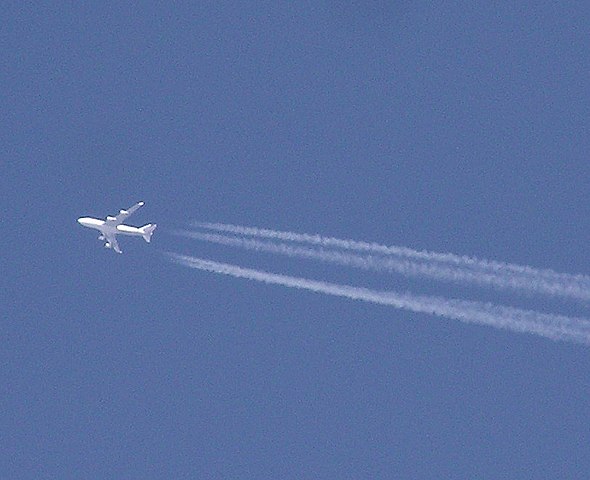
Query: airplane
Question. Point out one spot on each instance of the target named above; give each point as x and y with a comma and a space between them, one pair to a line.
112, 226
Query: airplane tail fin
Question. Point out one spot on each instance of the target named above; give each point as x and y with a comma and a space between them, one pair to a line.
147, 231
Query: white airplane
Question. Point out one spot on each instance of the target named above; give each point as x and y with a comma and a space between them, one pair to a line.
112, 226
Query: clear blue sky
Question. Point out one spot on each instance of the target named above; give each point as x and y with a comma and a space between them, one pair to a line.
461, 127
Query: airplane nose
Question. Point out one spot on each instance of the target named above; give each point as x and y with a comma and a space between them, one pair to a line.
80, 220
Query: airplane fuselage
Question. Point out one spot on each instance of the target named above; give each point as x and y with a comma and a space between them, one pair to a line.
113, 226
107, 229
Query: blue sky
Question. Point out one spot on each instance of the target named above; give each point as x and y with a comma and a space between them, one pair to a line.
457, 128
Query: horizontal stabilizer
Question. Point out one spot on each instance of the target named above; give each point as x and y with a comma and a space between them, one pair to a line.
147, 231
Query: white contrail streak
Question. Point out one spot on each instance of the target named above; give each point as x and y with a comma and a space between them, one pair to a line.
555, 327
405, 266
460, 260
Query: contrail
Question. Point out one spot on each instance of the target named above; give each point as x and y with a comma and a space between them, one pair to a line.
404, 265
555, 327
459, 260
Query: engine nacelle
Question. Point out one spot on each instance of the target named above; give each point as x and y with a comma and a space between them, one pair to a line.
123, 212
107, 245
111, 219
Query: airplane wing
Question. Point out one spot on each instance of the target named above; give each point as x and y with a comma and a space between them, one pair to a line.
123, 215
112, 241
